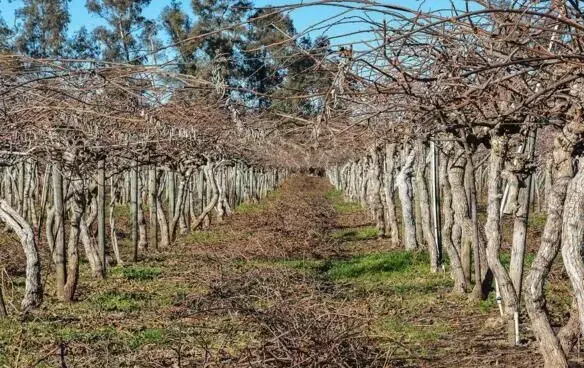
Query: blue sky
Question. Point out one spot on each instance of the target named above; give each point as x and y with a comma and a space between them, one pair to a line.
303, 17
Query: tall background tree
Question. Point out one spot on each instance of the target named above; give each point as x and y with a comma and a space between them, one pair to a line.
120, 39
267, 52
5, 33
42, 28
178, 25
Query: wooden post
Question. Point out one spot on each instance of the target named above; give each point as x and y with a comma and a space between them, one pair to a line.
134, 207
101, 214
436, 202
152, 206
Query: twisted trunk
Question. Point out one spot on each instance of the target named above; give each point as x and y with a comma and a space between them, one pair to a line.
424, 200
33, 290
447, 223
404, 184
499, 150
562, 174
573, 238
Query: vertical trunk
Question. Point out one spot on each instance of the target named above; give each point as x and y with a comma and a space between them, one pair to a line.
208, 169
91, 248
547, 181
162, 220
20, 189
59, 231
461, 236
521, 212
436, 200
142, 198
573, 238
33, 290
44, 197
101, 214
72, 250
112, 218
447, 223
562, 173
404, 185
179, 205
3, 312
153, 206
170, 192
482, 275
424, 201
134, 209
375, 199
391, 226
569, 334
96, 263
220, 207
499, 150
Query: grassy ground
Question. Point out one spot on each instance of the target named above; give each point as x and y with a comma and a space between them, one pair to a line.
299, 279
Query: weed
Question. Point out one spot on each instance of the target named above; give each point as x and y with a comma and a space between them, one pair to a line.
378, 265
340, 204
114, 301
487, 305
141, 273
250, 207
537, 220
148, 336
357, 233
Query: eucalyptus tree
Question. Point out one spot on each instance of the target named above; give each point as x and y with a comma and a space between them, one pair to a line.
82, 45
178, 25
42, 28
120, 39
267, 53
5, 36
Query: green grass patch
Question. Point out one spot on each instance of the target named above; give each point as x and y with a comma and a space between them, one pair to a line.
149, 336
115, 301
303, 264
250, 207
378, 265
122, 210
141, 273
401, 272
340, 204
505, 257
356, 233
487, 305
537, 220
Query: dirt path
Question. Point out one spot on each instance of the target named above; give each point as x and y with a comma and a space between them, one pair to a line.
297, 280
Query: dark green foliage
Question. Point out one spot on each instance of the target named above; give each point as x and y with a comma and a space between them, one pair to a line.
141, 273
114, 301
267, 50
147, 336
356, 233
178, 25
5, 34
121, 40
42, 28
305, 78
82, 45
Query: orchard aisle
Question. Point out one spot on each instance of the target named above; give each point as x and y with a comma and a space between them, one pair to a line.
298, 279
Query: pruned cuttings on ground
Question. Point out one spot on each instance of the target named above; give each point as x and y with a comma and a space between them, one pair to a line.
320, 183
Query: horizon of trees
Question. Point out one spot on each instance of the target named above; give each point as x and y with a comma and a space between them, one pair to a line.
254, 60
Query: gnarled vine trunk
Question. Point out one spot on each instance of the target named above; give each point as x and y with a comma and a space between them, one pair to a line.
33, 290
